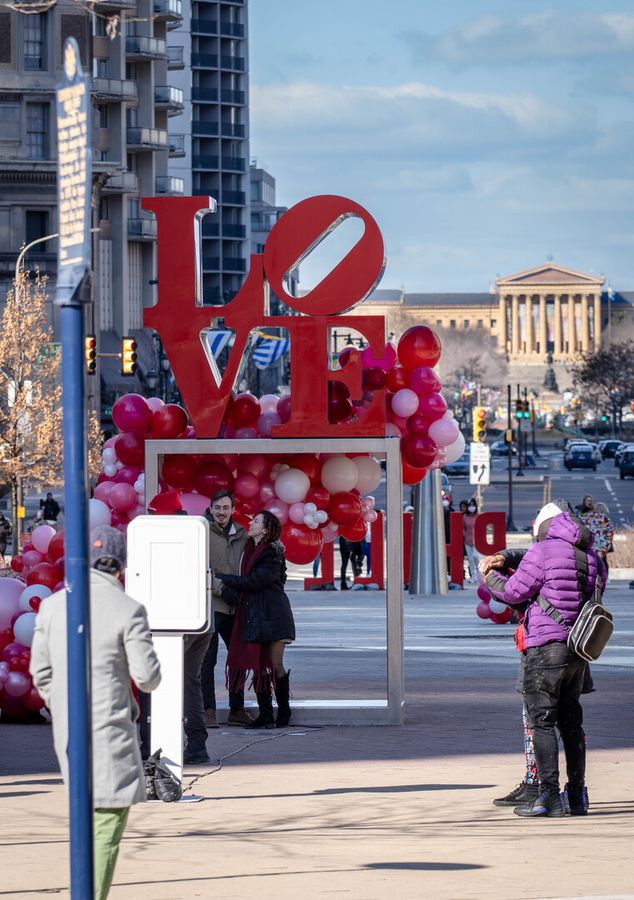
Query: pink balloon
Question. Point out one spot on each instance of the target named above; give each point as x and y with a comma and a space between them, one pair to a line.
328, 534
155, 403
132, 413
267, 491
32, 558
126, 475
386, 361
123, 497
268, 403
296, 513
194, 504
444, 431
483, 593
110, 442
246, 485
278, 508
244, 434
139, 510
432, 406
405, 403
482, 610
17, 684
424, 380
102, 491
266, 423
42, 537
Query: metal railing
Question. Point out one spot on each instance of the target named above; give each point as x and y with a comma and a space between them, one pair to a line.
142, 228
145, 47
118, 89
167, 95
169, 184
146, 137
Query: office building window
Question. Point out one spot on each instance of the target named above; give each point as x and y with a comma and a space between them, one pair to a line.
452, 323
480, 323
35, 41
466, 323
37, 130
494, 323
36, 226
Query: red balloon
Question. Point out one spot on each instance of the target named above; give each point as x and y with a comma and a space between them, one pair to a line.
165, 504
302, 544
129, 449
213, 476
257, 464
169, 421
309, 464
17, 562
56, 547
32, 700
346, 355
319, 496
179, 470
43, 573
374, 378
24, 660
432, 406
126, 475
132, 413
338, 390
419, 346
424, 380
418, 451
354, 532
12, 651
339, 409
60, 565
345, 508
245, 411
242, 519
34, 603
284, 408
411, 474
417, 425
397, 378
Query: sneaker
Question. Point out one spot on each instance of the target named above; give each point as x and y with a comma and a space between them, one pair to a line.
548, 803
523, 793
239, 717
193, 757
575, 800
209, 718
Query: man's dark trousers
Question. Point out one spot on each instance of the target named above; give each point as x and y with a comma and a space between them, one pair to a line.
224, 628
196, 645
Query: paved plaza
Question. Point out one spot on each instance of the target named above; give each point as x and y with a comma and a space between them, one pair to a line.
362, 812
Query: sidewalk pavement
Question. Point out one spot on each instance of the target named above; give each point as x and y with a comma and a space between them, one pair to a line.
359, 812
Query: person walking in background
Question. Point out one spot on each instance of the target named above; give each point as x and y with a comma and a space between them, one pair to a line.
50, 509
121, 652
264, 621
561, 570
351, 552
5, 533
468, 526
227, 541
595, 517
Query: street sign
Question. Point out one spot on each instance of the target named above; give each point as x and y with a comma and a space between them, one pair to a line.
479, 463
74, 174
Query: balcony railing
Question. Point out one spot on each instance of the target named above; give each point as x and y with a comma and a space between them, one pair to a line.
237, 198
122, 183
142, 229
233, 164
211, 264
205, 162
171, 97
204, 26
233, 231
175, 58
233, 264
231, 29
169, 9
140, 47
228, 129
176, 143
146, 138
238, 98
117, 4
205, 95
210, 129
204, 61
235, 63
114, 89
168, 184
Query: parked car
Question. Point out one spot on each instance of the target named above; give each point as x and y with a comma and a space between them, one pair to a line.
626, 466
596, 452
580, 456
609, 448
501, 448
620, 451
460, 466
447, 488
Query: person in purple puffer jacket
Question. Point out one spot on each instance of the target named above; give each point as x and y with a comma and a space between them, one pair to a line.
561, 567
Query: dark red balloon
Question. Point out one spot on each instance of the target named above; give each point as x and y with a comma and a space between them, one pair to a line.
17, 563
354, 532
337, 390
397, 378
213, 476
245, 411
424, 380
258, 464
309, 464
284, 408
302, 544
419, 452
127, 475
129, 449
419, 346
432, 406
56, 547
374, 378
43, 573
179, 470
345, 508
417, 425
346, 354
168, 422
411, 474
319, 496
339, 409
32, 700
12, 651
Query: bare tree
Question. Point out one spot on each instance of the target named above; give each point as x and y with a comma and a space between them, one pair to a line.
606, 379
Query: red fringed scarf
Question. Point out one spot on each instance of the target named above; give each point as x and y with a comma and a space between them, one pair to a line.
245, 659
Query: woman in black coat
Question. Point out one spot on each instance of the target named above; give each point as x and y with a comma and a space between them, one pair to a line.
264, 622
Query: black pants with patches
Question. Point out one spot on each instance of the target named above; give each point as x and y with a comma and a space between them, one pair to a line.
553, 679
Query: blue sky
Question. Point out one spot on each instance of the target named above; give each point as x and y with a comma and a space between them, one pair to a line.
483, 136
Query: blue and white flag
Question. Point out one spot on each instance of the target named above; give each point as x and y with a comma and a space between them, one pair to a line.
217, 341
267, 352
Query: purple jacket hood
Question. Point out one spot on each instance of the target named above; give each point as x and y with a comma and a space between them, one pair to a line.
562, 567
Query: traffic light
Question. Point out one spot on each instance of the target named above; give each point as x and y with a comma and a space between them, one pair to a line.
519, 409
526, 410
479, 424
90, 354
128, 356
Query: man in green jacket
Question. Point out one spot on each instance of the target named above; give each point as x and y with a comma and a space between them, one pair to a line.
227, 541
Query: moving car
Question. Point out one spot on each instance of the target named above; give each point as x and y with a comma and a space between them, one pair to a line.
501, 448
626, 466
460, 466
609, 448
580, 455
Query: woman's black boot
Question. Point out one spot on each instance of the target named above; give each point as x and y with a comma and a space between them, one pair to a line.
282, 694
265, 705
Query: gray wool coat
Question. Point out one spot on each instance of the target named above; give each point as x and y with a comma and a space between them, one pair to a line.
121, 650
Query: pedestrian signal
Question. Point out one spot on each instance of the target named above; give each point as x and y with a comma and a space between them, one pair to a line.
128, 356
479, 424
90, 354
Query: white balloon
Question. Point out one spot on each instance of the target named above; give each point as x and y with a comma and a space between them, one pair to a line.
110, 470
310, 509
454, 451
339, 474
292, 485
35, 590
98, 513
119, 464
310, 521
23, 628
496, 606
109, 455
369, 473
321, 516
